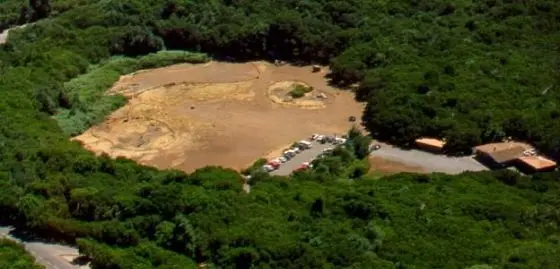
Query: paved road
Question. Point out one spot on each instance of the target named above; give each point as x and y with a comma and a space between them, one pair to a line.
50, 255
430, 162
304, 156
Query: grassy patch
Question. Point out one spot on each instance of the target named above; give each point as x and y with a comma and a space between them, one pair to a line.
299, 91
88, 102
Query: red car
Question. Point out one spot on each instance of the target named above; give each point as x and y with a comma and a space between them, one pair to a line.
275, 165
301, 168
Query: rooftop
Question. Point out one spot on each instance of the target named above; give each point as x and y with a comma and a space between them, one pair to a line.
493, 147
431, 142
537, 162
504, 151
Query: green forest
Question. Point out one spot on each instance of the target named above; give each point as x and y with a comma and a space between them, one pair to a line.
471, 71
13, 256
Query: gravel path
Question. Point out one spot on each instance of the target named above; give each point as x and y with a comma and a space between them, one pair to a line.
304, 156
430, 162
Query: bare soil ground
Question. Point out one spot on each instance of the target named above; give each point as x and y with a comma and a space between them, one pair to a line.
188, 116
385, 167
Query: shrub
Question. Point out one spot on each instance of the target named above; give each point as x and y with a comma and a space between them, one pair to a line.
299, 91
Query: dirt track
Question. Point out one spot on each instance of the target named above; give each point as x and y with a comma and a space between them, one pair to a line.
189, 116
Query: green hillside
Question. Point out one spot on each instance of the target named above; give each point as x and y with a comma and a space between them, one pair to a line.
472, 71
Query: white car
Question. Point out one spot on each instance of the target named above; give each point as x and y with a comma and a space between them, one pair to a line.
296, 150
314, 136
339, 141
267, 168
283, 159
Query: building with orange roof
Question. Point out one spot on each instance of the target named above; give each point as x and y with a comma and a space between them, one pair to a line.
536, 163
430, 144
499, 155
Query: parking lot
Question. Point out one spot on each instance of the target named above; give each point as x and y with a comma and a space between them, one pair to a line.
301, 155
426, 161
429, 162
304, 156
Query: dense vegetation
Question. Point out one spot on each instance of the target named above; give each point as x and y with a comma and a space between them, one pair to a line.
85, 100
471, 71
13, 256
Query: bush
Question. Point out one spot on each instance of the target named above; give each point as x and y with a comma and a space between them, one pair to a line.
299, 91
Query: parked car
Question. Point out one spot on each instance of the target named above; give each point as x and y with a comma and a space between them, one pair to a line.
274, 164
304, 144
283, 159
374, 147
267, 168
339, 141
301, 168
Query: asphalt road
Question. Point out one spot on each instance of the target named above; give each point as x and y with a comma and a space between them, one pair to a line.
429, 161
304, 156
49, 255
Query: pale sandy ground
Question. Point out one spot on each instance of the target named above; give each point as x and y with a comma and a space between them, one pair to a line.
230, 114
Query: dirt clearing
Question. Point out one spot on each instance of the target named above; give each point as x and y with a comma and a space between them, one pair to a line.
229, 114
387, 167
